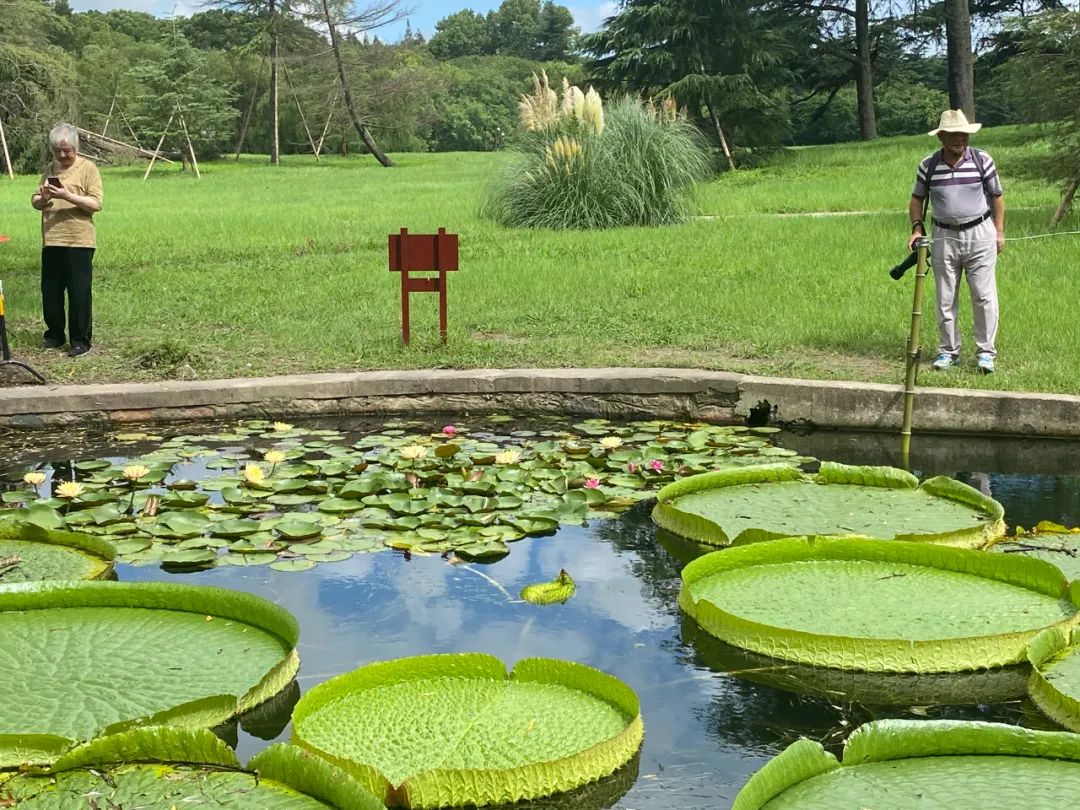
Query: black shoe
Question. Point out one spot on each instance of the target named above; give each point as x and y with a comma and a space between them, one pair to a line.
51, 343
77, 349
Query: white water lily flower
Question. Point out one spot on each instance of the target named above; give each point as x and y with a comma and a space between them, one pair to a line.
610, 442
34, 479
413, 452
508, 457
282, 427
136, 471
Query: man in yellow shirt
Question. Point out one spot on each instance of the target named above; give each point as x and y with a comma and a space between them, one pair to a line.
68, 197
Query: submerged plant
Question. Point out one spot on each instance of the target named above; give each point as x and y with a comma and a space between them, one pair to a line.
549, 593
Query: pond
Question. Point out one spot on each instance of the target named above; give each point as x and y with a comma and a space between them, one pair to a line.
706, 730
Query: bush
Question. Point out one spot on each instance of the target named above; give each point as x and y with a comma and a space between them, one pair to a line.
637, 167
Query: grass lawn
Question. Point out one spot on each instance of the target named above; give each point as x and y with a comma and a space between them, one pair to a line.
253, 271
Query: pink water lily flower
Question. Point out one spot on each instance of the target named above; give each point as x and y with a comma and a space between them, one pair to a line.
631, 467
449, 430
592, 483
656, 465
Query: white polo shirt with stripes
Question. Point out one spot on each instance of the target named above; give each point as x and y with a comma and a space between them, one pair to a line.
957, 194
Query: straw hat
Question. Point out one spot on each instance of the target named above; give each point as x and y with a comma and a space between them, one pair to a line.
955, 121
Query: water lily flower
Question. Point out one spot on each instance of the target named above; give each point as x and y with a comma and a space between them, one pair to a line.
508, 457
449, 430
70, 489
610, 442
282, 427
273, 456
34, 479
631, 467
413, 452
656, 465
136, 471
592, 483
254, 474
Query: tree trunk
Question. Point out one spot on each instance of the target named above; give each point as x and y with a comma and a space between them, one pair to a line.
961, 63
720, 133
1066, 202
275, 140
361, 130
864, 72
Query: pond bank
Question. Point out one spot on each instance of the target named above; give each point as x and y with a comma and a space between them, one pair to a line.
712, 396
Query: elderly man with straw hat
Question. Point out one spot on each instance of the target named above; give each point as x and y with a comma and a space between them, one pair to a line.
960, 186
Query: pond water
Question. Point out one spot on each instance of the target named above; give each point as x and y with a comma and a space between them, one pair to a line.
706, 730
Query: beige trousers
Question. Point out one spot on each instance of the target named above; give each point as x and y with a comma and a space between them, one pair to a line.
973, 252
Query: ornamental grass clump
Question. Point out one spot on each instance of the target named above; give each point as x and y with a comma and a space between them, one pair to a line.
583, 166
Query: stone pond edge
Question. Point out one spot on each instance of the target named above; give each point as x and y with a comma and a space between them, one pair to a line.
713, 396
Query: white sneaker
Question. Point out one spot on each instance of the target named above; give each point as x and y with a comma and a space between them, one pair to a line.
946, 360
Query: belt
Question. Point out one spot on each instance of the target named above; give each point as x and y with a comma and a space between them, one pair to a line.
962, 226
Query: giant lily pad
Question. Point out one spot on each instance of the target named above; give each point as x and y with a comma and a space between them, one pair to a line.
83, 658
29, 553
875, 605
1047, 541
168, 767
923, 764
1054, 684
768, 501
478, 735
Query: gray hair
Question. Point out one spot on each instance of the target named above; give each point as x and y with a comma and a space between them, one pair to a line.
64, 133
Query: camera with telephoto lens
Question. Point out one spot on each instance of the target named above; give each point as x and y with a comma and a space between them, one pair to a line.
911, 260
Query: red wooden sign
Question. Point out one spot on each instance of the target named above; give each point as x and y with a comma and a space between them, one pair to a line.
423, 252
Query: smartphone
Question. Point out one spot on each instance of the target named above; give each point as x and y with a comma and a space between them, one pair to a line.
54, 181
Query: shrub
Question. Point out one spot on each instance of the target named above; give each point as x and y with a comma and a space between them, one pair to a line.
581, 167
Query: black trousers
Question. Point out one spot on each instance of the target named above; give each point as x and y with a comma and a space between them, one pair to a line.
67, 270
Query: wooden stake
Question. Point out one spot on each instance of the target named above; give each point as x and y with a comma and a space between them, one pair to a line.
191, 149
7, 157
303, 118
329, 117
109, 116
251, 106
158, 149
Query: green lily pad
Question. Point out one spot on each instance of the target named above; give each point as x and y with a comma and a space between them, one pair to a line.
928, 763
181, 524
209, 655
235, 528
169, 767
1061, 548
184, 499
250, 558
550, 593
29, 553
298, 529
292, 565
906, 607
749, 504
480, 736
1054, 685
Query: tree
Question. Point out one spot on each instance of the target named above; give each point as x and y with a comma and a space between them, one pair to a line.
515, 28
464, 33
961, 66
557, 35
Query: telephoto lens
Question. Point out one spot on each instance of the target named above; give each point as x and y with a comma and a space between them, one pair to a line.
898, 271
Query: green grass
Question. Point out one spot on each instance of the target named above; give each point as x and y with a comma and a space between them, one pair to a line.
253, 271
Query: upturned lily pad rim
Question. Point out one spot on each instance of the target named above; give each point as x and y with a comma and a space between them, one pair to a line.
938, 655
102, 551
284, 764
1060, 707
895, 740
699, 528
206, 600
436, 787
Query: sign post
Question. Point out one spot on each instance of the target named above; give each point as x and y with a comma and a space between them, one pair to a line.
423, 252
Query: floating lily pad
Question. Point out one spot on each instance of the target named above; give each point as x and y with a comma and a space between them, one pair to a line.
479, 736
549, 593
169, 767
29, 553
767, 501
1054, 685
82, 658
1050, 542
875, 605
928, 763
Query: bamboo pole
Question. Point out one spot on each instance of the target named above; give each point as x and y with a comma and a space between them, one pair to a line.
7, 157
108, 117
303, 118
191, 149
138, 149
326, 127
914, 352
158, 149
251, 106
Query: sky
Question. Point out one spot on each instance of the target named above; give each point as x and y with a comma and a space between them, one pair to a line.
588, 14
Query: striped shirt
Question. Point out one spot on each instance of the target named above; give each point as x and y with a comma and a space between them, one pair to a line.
956, 192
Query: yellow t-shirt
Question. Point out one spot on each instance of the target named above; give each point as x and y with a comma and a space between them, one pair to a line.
64, 224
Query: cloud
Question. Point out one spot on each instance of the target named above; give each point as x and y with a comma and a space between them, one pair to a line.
591, 18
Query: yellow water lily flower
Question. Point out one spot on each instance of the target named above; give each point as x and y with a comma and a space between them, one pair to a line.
273, 456
413, 452
508, 457
135, 472
70, 489
254, 474
610, 442
282, 427
34, 479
